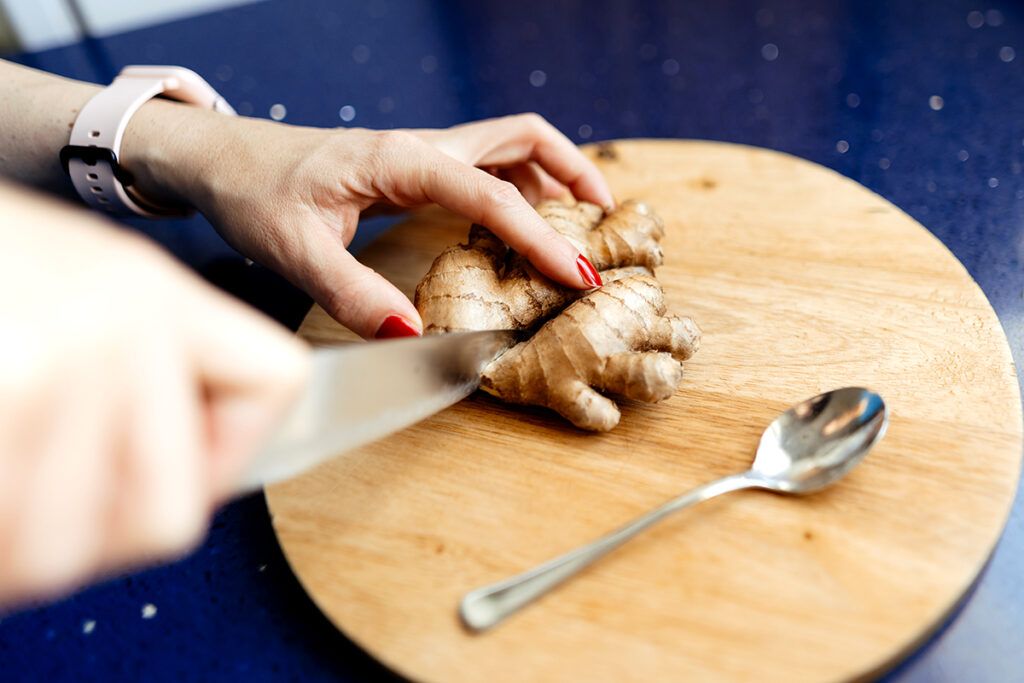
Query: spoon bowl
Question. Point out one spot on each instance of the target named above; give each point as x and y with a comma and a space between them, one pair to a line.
817, 441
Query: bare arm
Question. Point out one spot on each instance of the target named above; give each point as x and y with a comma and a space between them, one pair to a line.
162, 146
37, 111
290, 197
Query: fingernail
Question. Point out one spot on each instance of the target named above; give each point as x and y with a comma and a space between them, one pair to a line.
396, 326
588, 272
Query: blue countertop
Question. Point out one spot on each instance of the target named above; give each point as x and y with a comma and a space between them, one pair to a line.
921, 102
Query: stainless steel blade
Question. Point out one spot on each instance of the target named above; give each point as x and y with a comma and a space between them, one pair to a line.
362, 392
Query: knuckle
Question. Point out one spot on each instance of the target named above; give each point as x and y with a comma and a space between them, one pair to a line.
543, 128
396, 142
393, 150
504, 196
534, 120
169, 535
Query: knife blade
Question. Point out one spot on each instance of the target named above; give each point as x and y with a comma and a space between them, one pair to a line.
361, 392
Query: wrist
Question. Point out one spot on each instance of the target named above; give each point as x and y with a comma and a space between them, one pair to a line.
172, 151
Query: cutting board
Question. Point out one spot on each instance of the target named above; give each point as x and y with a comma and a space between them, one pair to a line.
803, 281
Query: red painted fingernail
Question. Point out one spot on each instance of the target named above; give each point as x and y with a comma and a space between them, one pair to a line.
396, 326
588, 272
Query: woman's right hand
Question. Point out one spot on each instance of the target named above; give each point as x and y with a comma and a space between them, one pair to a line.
130, 395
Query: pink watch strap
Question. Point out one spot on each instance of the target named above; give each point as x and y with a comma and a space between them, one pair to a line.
95, 144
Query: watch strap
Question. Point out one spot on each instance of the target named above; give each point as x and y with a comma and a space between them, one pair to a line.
100, 126
91, 157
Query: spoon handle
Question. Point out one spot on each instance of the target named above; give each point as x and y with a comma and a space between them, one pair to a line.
486, 606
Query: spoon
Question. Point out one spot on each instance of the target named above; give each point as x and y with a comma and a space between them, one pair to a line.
806, 448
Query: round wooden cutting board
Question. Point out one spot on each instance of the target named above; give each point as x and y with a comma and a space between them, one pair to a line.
803, 281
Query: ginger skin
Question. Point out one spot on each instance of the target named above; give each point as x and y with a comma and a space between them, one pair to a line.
482, 285
617, 339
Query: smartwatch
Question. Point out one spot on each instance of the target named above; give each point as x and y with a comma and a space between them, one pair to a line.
91, 157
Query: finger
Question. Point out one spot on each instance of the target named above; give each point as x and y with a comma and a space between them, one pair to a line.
529, 137
361, 299
163, 501
56, 532
248, 370
533, 182
650, 377
498, 205
557, 155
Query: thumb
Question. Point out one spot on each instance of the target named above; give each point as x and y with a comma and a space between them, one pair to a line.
363, 301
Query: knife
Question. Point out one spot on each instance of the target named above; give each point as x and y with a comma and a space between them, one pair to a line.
361, 392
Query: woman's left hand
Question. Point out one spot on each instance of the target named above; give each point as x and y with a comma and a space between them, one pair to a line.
290, 197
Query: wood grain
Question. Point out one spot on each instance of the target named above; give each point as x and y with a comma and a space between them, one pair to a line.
802, 281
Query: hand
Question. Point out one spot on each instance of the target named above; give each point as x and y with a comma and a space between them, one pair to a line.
290, 198
130, 394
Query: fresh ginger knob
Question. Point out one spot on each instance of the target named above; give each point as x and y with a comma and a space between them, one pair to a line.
616, 339
482, 285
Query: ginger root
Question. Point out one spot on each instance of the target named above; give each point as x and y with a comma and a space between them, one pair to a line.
616, 339
483, 285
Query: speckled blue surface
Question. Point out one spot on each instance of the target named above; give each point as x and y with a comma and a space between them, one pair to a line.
851, 85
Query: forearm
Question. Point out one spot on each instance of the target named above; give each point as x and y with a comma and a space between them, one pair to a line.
37, 111
167, 146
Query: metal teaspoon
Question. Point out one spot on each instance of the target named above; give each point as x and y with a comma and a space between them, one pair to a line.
806, 448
